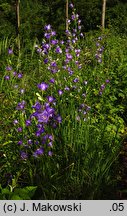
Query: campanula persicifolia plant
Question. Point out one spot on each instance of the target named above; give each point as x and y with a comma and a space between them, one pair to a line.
60, 114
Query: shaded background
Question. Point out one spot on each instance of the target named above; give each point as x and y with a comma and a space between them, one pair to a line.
35, 14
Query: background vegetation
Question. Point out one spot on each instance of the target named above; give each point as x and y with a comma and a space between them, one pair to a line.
34, 16
81, 154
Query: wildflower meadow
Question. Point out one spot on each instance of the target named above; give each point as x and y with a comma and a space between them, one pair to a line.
63, 114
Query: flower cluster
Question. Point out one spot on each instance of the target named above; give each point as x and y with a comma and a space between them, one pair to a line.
99, 50
103, 86
73, 34
21, 105
75, 21
45, 114
64, 57
13, 79
11, 73
34, 138
62, 60
83, 111
52, 48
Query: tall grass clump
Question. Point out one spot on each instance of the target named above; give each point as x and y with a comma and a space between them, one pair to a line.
62, 116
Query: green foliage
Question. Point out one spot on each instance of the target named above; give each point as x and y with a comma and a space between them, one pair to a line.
32, 19
7, 21
25, 193
86, 144
116, 17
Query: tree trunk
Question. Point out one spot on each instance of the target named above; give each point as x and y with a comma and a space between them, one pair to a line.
66, 15
18, 22
103, 14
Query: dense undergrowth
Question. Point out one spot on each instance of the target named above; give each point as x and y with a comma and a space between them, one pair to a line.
62, 115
